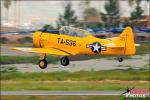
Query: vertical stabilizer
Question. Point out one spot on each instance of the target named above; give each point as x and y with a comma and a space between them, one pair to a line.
128, 36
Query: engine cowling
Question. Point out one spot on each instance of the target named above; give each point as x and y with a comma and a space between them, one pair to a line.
36, 39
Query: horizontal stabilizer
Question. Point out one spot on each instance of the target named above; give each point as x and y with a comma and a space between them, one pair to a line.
137, 45
113, 45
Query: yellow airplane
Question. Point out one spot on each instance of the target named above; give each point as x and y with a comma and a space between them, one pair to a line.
70, 41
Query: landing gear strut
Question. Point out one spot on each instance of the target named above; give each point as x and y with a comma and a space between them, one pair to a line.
64, 61
120, 59
43, 63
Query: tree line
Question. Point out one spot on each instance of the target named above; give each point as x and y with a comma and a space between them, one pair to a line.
109, 18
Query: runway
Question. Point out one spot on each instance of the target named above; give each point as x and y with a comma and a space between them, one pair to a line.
61, 92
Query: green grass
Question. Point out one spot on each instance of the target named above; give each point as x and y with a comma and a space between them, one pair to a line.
8, 69
69, 98
62, 98
130, 74
69, 86
24, 59
144, 48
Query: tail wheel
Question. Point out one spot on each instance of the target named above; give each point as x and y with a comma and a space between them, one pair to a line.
64, 61
120, 59
43, 64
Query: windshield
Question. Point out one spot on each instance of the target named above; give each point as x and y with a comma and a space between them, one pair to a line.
74, 31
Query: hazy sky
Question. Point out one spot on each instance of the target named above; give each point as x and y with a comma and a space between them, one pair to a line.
48, 11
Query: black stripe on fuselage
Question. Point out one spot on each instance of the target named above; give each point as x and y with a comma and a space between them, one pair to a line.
40, 40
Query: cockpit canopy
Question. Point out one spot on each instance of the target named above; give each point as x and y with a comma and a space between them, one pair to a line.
66, 30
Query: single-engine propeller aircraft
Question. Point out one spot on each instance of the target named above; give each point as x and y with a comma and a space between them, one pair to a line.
70, 41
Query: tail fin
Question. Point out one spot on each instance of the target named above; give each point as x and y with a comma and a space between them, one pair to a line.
128, 36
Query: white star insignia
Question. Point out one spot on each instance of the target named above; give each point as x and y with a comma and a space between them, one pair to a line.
96, 47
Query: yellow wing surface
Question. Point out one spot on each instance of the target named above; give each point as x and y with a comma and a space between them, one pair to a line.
51, 51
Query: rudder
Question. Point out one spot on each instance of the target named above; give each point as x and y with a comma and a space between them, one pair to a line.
128, 36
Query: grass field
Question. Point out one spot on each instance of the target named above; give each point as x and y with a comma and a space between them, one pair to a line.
71, 85
130, 74
144, 48
83, 80
69, 98
24, 59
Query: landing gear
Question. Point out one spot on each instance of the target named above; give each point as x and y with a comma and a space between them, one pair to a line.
64, 61
43, 63
120, 59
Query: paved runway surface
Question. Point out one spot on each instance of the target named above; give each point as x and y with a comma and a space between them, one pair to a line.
61, 92
138, 61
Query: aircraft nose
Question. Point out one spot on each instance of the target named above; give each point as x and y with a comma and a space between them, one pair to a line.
36, 39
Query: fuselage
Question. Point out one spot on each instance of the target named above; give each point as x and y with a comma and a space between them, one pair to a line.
77, 45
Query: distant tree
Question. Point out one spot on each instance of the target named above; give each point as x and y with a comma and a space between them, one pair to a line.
112, 13
48, 26
137, 13
3, 40
86, 10
68, 18
7, 4
131, 2
83, 4
90, 12
25, 40
15, 10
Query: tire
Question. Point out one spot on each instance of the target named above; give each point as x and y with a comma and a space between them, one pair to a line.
64, 61
120, 59
43, 64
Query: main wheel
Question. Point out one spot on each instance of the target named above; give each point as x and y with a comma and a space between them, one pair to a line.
120, 59
64, 61
43, 64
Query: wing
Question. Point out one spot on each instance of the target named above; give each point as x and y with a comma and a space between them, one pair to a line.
51, 51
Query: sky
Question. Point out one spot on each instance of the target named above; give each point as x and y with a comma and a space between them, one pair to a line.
40, 12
